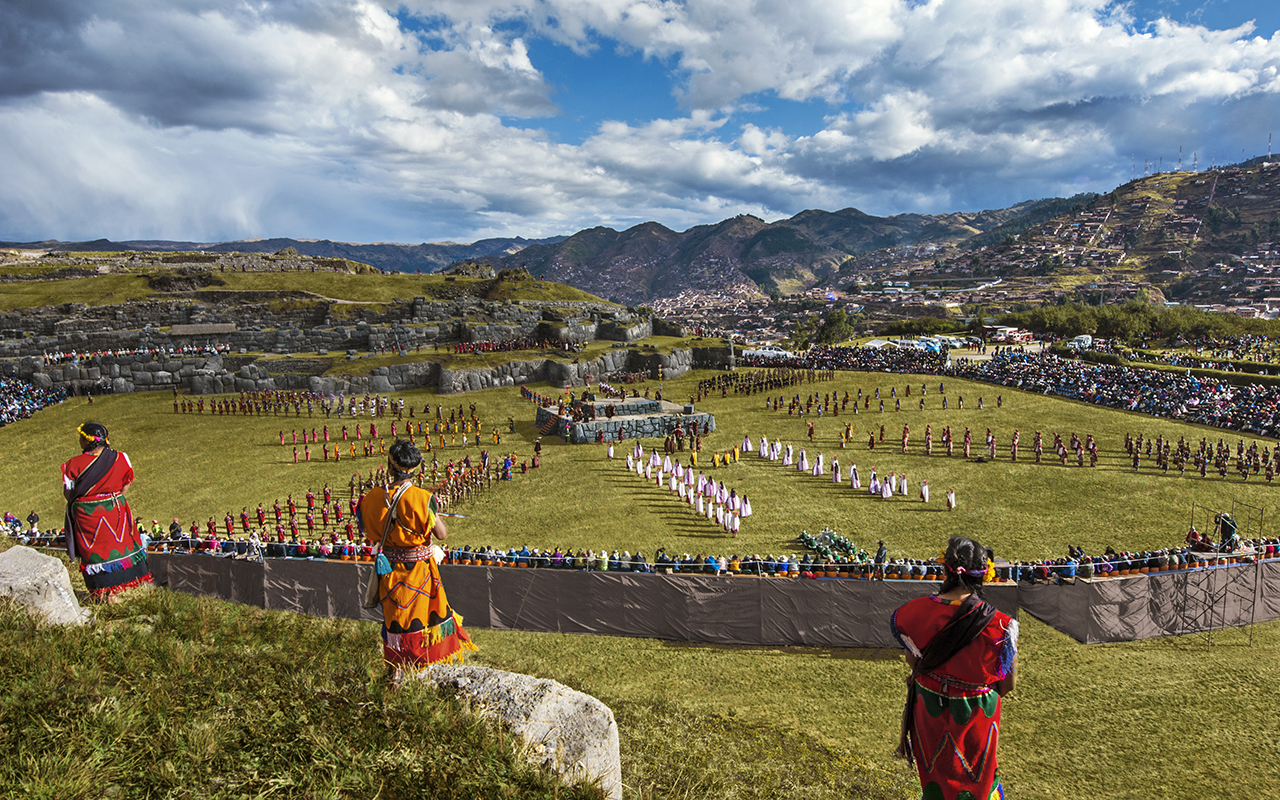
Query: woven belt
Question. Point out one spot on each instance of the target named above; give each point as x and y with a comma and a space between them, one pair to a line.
405, 554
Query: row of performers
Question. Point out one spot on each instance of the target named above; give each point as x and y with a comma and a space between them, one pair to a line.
704, 495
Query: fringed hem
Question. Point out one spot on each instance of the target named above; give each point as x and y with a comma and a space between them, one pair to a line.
114, 565
440, 644
101, 595
105, 583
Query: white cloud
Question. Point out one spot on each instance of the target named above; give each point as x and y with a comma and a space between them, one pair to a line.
366, 119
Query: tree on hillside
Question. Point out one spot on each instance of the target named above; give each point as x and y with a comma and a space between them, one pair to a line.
835, 328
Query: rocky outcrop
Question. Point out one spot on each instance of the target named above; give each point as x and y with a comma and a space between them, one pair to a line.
568, 731
41, 583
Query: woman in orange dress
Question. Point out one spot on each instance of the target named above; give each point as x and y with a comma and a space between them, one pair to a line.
419, 627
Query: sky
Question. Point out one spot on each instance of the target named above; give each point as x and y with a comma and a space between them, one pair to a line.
455, 120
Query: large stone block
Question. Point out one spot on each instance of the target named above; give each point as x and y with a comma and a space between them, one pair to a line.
41, 583
568, 731
121, 386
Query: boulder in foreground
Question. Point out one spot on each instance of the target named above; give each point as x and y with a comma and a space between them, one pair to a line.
41, 583
573, 733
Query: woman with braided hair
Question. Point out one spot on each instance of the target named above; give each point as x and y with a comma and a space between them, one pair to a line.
419, 628
963, 659
101, 533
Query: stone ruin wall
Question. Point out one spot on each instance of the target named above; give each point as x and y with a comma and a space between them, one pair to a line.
632, 426
260, 320
234, 372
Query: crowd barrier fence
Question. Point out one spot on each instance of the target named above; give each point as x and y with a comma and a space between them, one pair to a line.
741, 610
708, 609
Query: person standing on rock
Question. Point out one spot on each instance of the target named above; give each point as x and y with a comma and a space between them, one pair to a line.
419, 628
101, 533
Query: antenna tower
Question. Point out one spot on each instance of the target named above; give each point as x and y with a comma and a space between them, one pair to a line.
1179, 158
1195, 162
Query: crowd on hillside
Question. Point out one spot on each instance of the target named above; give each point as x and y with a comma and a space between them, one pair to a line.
506, 345
76, 356
1254, 408
20, 399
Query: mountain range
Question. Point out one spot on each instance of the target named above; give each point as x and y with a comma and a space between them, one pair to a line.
426, 257
648, 261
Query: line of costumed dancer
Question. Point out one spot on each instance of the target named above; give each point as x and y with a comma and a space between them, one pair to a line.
708, 498
101, 532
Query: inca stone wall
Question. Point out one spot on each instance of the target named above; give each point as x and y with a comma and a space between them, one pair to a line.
637, 419
309, 322
219, 374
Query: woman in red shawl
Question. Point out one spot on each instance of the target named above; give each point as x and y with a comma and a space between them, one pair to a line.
101, 532
963, 657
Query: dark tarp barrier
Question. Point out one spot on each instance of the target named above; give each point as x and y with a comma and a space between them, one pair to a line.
1160, 604
689, 608
237, 581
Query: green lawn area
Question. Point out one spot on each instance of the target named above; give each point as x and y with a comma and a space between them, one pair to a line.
132, 285
1165, 718
100, 290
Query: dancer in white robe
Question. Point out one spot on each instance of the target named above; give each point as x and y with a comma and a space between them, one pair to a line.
666, 464
924, 491
803, 464
631, 463
746, 506
855, 480
786, 457
836, 475
746, 444
610, 451
873, 485
764, 447
951, 499
817, 467
902, 484
893, 483
700, 507
886, 491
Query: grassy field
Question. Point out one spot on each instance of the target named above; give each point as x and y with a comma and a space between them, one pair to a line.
183, 697
1164, 718
100, 290
195, 466
118, 287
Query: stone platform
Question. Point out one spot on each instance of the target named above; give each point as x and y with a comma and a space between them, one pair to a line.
635, 417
